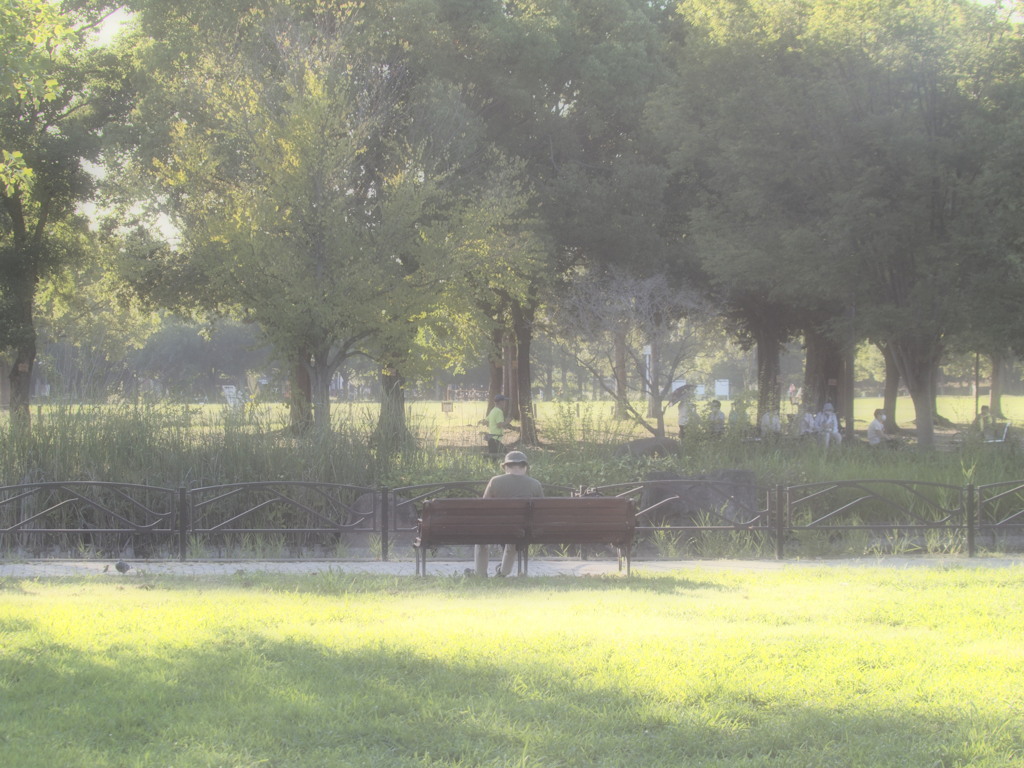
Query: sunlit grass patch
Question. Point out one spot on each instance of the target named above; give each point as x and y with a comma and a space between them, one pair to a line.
804, 666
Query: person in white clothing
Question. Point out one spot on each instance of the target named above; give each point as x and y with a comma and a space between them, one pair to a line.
828, 426
876, 431
682, 396
771, 424
808, 424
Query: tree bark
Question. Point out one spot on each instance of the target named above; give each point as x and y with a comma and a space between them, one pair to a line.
918, 363
392, 433
892, 388
320, 387
654, 409
19, 287
620, 374
300, 406
823, 371
1000, 367
522, 328
24, 361
496, 384
510, 376
769, 365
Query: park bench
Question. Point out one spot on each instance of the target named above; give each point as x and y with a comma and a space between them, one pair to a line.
1000, 431
521, 522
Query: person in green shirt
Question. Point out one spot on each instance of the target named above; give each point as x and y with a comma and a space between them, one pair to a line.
514, 484
496, 425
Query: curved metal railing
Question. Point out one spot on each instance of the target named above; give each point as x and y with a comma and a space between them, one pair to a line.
296, 519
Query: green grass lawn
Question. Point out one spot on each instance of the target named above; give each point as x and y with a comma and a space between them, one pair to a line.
807, 666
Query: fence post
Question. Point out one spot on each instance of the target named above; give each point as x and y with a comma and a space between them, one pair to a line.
971, 513
183, 523
780, 522
383, 523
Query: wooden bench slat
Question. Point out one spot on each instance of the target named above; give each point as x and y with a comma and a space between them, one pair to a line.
548, 520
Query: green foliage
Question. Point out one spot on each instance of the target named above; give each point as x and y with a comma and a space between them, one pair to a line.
57, 93
30, 32
838, 154
404, 178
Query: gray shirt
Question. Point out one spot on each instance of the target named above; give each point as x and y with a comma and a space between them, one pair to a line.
513, 487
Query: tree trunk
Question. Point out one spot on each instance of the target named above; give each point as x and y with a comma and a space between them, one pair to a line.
522, 328
392, 433
510, 383
621, 379
829, 376
21, 382
918, 363
1001, 362
924, 409
320, 390
496, 384
823, 371
654, 408
21, 296
892, 388
848, 394
300, 404
769, 366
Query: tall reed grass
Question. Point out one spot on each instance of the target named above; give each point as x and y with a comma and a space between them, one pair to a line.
172, 445
169, 445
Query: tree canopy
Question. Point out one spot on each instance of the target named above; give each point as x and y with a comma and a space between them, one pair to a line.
421, 181
57, 95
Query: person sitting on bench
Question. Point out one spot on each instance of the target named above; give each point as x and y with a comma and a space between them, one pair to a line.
514, 484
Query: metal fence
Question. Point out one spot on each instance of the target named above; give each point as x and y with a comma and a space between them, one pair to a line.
308, 520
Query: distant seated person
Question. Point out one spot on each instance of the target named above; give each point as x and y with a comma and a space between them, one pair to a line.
771, 424
984, 424
716, 419
808, 424
828, 426
876, 431
738, 416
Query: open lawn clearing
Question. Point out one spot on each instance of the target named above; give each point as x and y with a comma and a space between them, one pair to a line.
859, 666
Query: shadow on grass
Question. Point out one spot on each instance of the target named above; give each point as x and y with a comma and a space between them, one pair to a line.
244, 699
339, 583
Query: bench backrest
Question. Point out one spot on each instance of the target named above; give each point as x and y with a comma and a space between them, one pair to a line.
473, 521
1001, 429
547, 520
583, 520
